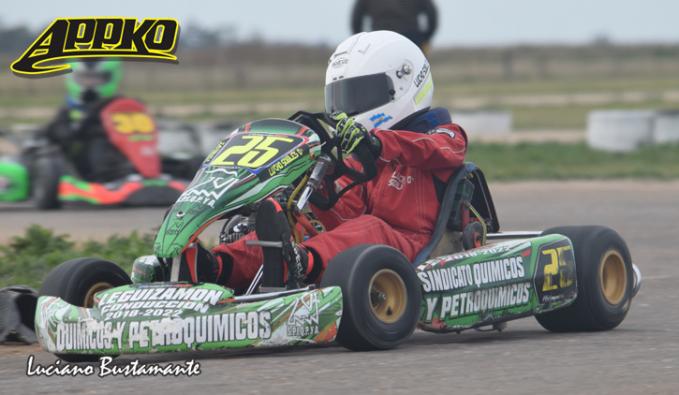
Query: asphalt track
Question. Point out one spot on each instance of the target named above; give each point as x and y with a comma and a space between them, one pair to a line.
641, 356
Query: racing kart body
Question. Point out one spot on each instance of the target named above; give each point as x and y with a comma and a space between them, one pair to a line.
45, 174
470, 275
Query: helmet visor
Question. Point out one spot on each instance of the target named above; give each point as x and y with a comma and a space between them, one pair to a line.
92, 78
359, 94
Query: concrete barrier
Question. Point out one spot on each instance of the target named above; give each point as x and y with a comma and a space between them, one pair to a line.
666, 127
177, 139
484, 122
619, 130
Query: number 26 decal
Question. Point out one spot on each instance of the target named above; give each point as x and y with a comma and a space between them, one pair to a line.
256, 152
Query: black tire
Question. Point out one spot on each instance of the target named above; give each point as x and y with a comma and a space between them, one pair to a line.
597, 308
356, 271
75, 281
47, 171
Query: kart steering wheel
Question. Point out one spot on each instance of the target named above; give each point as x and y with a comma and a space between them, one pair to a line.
331, 148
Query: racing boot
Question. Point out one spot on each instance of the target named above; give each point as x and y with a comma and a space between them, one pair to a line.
279, 248
200, 265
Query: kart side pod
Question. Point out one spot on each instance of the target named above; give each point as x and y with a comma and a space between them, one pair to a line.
497, 283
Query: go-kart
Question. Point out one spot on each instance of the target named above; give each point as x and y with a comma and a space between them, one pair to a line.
147, 177
470, 275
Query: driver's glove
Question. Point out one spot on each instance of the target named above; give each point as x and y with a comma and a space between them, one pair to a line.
351, 133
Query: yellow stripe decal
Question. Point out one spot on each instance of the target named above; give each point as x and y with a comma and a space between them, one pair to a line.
424, 91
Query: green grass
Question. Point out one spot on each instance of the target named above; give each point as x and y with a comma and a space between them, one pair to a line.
547, 161
28, 258
557, 85
545, 118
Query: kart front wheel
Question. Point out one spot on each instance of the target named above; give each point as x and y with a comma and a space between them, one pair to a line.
381, 295
47, 172
77, 281
605, 281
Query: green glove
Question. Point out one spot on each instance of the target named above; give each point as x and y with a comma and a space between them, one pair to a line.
351, 133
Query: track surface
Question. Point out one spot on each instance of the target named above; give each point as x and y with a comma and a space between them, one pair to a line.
641, 356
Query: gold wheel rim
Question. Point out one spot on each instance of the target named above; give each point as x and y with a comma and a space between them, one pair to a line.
613, 277
388, 296
98, 287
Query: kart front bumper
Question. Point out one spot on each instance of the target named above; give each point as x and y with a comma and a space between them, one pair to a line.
146, 318
131, 191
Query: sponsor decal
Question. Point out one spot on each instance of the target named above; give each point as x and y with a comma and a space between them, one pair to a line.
285, 161
157, 302
304, 320
89, 335
499, 248
211, 189
398, 181
477, 274
422, 75
189, 331
479, 301
380, 118
98, 37
485, 284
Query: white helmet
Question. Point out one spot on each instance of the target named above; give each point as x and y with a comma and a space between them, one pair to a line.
379, 77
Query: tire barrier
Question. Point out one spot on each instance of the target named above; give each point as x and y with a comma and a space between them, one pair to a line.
666, 127
484, 122
619, 130
17, 311
177, 139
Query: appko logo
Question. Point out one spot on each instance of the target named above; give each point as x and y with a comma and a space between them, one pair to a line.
98, 37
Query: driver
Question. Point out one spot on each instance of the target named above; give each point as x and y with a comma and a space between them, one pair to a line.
379, 87
77, 129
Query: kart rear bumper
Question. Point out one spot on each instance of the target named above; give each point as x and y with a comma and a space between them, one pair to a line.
638, 279
119, 325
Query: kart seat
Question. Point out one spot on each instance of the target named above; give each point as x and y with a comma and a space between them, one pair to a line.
467, 185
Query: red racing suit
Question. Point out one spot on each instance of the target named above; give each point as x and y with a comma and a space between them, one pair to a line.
398, 207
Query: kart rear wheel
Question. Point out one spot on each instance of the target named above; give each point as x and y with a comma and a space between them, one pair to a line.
605, 281
381, 295
77, 281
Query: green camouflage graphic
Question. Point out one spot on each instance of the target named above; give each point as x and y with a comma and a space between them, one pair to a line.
218, 188
497, 283
164, 317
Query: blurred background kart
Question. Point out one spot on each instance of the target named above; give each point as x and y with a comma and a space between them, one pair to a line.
141, 169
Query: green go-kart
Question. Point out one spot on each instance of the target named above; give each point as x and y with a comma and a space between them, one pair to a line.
470, 275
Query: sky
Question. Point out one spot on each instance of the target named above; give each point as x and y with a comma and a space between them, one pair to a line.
469, 22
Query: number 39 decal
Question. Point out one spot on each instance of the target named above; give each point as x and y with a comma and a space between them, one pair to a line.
253, 151
132, 122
